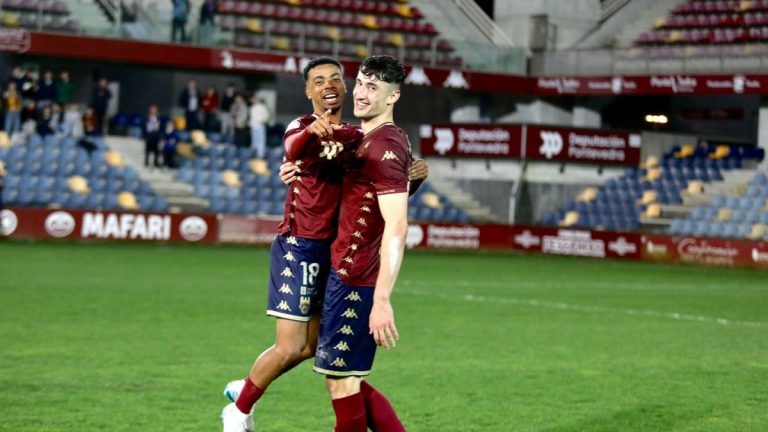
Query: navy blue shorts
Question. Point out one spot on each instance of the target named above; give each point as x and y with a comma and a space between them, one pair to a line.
298, 271
345, 347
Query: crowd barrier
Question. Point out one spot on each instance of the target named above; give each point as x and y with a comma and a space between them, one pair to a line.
37, 224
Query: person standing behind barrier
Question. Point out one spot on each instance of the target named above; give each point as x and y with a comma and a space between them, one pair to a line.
65, 90
207, 15
100, 101
258, 118
12, 109
179, 12
210, 104
152, 135
170, 139
239, 112
190, 99
225, 117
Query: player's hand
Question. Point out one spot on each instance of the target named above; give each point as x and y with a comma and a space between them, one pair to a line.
382, 324
288, 172
322, 126
418, 170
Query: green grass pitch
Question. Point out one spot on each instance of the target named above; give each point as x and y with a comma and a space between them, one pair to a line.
143, 338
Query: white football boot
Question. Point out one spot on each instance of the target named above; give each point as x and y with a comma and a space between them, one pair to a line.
236, 421
233, 389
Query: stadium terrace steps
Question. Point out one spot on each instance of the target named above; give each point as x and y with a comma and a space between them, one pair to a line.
177, 193
662, 8
90, 16
464, 200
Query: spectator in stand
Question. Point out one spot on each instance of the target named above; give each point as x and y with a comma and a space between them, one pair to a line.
100, 101
12, 109
91, 125
180, 12
29, 116
170, 140
152, 135
258, 118
207, 16
210, 104
190, 100
29, 86
227, 121
17, 76
46, 124
72, 122
65, 90
240, 117
46, 90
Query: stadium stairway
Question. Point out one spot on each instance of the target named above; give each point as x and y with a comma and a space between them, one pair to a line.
90, 16
180, 196
464, 200
627, 36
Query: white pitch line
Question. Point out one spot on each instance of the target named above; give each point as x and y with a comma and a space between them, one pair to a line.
585, 308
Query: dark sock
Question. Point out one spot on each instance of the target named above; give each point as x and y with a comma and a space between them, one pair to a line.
248, 396
381, 415
350, 414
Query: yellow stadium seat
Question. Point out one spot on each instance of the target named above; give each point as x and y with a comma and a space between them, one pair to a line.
757, 232
333, 33
198, 138
396, 39
587, 194
571, 218
10, 19
5, 140
724, 214
127, 200
651, 161
260, 167
695, 187
2, 168
721, 151
294, 2
180, 123
675, 36
369, 21
648, 197
231, 178
744, 6
114, 158
185, 150
253, 25
78, 184
661, 22
431, 200
282, 44
653, 211
653, 174
403, 10
684, 152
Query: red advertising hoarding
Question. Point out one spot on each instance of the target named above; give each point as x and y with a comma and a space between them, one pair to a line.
498, 141
652, 85
33, 223
705, 251
247, 229
582, 145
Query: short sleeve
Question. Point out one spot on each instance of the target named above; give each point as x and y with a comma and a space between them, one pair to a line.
389, 160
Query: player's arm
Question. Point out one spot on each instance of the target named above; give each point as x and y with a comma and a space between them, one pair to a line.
394, 210
296, 139
417, 174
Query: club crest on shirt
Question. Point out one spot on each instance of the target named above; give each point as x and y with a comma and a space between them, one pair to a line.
331, 149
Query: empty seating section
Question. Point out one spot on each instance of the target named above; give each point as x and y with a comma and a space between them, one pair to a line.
58, 173
427, 205
619, 204
347, 28
740, 217
24, 13
711, 22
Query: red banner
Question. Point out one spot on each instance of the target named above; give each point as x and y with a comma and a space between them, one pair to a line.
582, 145
552, 241
709, 252
501, 141
652, 85
32, 223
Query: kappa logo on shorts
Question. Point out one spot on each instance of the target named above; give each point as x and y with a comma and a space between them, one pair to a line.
284, 306
291, 240
357, 234
343, 272
342, 346
289, 256
389, 155
346, 330
285, 289
349, 260
353, 296
287, 272
349, 313
339, 362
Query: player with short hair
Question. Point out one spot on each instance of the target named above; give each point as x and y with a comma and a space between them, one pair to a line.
300, 254
367, 253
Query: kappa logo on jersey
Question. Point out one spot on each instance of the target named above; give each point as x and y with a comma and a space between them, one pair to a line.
293, 203
362, 222
284, 306
389, 155
343, 272
296, 191
365, 209
291, 215
289, 256
368, 195
342, 346
339, 362
285, 289
552, 143
331, 149
349, 313
287, 272
357, 234
348, 259
353, 296
346, 330
353, 247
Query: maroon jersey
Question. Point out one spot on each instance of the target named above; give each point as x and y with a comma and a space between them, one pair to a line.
312, 200
379, 166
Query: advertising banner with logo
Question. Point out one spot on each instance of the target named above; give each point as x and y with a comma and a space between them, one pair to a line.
31, 223
709, 252
496, 141
552, 241
582, 145
652, 85
248, 229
